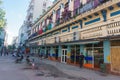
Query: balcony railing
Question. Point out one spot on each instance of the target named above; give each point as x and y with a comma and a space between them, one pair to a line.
111, 29
90, 33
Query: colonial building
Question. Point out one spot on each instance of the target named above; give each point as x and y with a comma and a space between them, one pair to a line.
71, 27
35, 9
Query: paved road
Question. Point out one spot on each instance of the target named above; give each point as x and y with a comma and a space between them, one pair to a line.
11, 71
78, 72
47, 70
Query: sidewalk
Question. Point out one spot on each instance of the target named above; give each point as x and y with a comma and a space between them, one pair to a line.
77, 72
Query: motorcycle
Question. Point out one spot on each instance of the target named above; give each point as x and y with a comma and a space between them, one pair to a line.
19, 59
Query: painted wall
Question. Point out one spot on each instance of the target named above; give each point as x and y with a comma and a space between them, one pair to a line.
106, 46
38, 8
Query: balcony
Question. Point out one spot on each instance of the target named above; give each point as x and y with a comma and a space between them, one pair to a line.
50, 40
113, 29
79, 13
93, 32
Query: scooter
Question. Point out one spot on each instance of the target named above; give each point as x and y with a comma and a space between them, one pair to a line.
19, 59
28, 60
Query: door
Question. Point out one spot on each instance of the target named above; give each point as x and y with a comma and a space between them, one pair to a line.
115, 59
64, 56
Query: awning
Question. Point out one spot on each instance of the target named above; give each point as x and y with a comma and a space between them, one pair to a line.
88, 42
72, 43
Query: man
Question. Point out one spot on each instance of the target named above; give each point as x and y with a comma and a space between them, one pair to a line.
81, 57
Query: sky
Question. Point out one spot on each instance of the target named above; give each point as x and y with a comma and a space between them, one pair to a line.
16, 11
15, 15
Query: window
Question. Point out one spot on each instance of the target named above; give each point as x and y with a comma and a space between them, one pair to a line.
69, 1
64, 30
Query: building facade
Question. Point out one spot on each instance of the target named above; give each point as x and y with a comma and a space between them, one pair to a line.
35, 10
71, 27
23, 36
15, 43
2, 39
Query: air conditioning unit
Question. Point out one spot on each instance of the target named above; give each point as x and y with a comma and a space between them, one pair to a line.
75, 35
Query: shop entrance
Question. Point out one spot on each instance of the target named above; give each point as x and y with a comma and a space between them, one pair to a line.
75, 52
56, 52
115, 56
48, 52
94, 55
64, 56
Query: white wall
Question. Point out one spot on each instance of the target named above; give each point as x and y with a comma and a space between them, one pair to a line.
38, 8
23, 30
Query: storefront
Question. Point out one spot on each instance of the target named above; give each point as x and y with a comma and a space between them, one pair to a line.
94, 55
75, 52
115, 56
55, 52
64, 54
47, 52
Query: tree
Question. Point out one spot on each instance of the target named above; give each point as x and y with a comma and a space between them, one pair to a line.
2, 17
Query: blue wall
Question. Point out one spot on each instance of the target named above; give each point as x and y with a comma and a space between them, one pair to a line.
82, 49
51, 51
115, 13
106, 46
92, 21
59, 52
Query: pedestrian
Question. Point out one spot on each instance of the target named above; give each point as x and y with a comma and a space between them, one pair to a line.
81, 60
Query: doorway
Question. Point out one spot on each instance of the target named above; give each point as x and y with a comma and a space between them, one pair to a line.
94, 55
64, 56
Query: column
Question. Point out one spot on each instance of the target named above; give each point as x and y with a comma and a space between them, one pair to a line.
68, 54
106, 46
40, 51
82, 47
45, 50
59, 53
60, 50
51, 51
68, 51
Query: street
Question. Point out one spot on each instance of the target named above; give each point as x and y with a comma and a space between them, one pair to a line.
12, 71
46, 70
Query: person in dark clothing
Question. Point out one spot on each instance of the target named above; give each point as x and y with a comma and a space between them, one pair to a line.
81, 57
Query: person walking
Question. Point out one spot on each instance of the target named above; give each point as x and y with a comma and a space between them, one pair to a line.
81, 58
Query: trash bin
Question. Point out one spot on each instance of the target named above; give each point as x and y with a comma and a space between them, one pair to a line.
103, 68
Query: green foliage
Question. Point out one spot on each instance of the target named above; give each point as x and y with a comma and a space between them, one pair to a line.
2, 17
